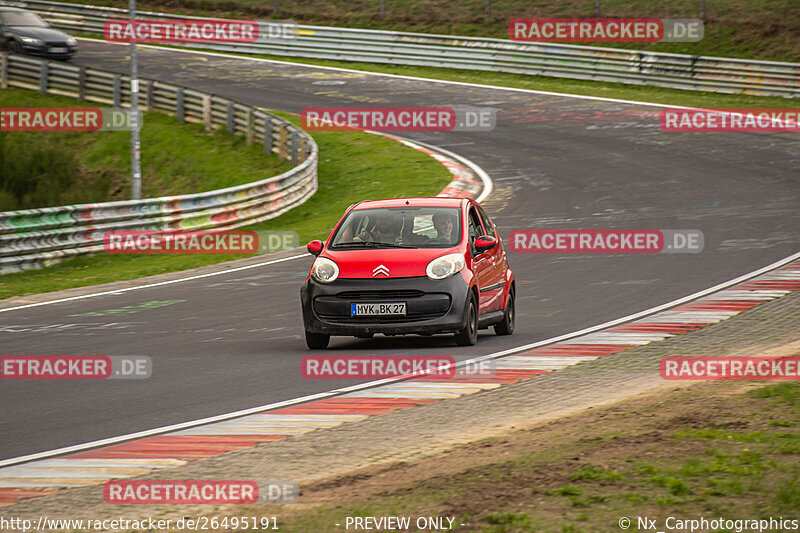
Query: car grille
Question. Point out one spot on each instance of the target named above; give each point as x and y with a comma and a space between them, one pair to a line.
419, 306
379, 295
411, 317
57, 44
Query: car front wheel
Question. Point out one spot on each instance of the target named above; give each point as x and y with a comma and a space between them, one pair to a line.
506, 327
317, 341
469, 335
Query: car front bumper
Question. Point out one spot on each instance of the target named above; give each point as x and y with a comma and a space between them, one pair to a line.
432, 306
44, 50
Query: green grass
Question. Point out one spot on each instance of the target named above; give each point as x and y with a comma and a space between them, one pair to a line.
785, 392
353, 167
177, 158
508, 521
760, 29
596, 473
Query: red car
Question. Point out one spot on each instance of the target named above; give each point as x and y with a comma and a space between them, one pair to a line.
409, 266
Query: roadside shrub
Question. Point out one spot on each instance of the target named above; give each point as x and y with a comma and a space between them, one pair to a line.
32, 174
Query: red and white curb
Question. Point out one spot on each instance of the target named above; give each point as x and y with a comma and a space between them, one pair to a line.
138, 457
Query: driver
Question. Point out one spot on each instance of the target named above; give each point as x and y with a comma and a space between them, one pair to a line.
384, 230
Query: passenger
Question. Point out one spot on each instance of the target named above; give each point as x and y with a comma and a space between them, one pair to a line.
443, 223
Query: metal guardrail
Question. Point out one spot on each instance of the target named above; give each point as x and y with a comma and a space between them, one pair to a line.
34, 238
764, 78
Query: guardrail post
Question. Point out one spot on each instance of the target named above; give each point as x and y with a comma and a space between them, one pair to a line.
81, 84
150, 95
302, 149
294, 148
4, 70
282, 142
207, 112
44, 72
117, 90
179, 111
230, 124
250, 128
267, 135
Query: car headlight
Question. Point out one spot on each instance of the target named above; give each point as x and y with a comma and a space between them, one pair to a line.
324, 270
445, 266
72, 41
30, 40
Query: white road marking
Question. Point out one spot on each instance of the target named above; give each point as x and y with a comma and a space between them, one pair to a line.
400, 394
619, 338
786, 275
691, 317
759, 294
28, 484
150, 285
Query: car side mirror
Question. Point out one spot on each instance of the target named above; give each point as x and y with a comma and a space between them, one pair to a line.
315, 247
485, 242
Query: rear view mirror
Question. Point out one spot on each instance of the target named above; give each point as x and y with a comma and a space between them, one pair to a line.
315, 247
485, 242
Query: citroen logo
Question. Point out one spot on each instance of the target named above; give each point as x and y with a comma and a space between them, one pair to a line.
380, 269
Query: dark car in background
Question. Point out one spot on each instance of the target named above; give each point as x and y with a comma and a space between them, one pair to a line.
25, 32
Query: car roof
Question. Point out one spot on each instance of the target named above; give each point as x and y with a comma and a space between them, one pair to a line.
434, 201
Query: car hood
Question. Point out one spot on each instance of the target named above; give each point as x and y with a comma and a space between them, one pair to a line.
44, 34
400, 262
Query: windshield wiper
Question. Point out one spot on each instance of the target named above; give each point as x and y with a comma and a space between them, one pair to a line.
371, 244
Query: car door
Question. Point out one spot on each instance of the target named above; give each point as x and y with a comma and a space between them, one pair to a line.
493, 291
482, 263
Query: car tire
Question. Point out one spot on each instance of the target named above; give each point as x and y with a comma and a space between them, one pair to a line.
317, 341
506, 327
469, 335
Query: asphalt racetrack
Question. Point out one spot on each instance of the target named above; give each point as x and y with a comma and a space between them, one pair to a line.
235, 341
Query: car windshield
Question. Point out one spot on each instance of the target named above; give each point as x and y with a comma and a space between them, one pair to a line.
399, 227
22, 18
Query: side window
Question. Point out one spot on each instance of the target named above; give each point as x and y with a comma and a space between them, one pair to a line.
475, 229
487, 222
351, 230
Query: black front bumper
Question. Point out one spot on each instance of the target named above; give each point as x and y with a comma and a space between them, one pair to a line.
432, 306
44, 51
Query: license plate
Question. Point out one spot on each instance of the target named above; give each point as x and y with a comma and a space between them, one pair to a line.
391, 308
58, 50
